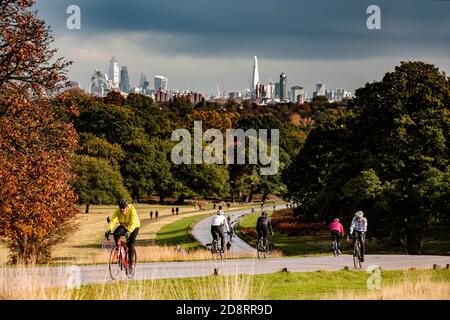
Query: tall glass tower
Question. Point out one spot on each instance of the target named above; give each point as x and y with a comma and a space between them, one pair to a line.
124, 80
114, 72
255, 78
283, 86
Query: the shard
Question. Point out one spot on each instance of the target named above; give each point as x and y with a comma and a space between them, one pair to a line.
255, 79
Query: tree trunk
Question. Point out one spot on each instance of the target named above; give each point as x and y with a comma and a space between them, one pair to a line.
232, 196
250, 196
161, 197
181, 199
414, 241
87, 208
264, 198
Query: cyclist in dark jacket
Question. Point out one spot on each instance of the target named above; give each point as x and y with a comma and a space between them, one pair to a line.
263, 226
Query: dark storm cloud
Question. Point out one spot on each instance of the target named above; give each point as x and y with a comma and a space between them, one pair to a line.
277, 29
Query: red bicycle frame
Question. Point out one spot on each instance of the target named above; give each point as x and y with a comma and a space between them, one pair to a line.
120, 250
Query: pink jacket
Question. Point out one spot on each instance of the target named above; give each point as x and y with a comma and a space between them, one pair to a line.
337, 226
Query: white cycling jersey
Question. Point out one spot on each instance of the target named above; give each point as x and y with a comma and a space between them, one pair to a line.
220, 220
358, 225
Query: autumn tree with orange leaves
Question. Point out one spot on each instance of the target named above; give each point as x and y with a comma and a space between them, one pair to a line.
37, 202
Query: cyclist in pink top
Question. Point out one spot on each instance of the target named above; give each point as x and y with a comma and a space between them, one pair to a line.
337, 231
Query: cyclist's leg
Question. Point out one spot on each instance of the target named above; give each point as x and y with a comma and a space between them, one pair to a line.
130, 244
120, 231
264, 236
338, 241
363, 245
214, 233
222, 238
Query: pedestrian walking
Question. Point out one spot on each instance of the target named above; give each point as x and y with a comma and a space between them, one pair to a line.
156, 214
151, 215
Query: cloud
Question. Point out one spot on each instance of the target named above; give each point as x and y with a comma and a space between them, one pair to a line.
198, 43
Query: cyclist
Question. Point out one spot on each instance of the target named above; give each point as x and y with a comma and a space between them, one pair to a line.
218, 227
358, 229
337, 231
263, 226
129, 224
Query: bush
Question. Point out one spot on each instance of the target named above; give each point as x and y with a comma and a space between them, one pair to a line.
284, 222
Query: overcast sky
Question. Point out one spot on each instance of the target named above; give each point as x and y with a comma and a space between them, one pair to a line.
200, 43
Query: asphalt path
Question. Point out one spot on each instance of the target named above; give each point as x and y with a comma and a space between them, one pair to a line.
56, 276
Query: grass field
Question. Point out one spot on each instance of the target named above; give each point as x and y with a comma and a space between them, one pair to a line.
412, 284
320, 244
85, 244
178, 233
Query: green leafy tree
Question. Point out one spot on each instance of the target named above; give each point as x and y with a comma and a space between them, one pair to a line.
97, 181
388, 157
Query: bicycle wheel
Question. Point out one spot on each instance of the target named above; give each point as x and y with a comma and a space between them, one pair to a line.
266, 248
115, 263
258, 249
131, 271
216, 253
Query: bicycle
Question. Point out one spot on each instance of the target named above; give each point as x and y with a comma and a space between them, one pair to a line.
262, 248
335, 248
357, 257
118, 260
216, 250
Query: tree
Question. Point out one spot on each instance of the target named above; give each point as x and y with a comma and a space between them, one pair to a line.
389, 156
37, 203
25, 50
97, 181
36, 198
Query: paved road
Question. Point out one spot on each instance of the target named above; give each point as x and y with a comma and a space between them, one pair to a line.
58, 276
202, 232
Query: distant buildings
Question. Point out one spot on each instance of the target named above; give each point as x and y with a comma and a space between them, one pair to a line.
283, 87
320, 90
124, 80
255, 75
114, 73
298, 95
99, 85
160, 83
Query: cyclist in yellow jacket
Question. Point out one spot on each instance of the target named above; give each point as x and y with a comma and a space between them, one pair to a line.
129, 225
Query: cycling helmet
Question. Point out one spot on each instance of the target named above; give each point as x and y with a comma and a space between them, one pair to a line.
336, 219
123, 203
264, 213
359, 215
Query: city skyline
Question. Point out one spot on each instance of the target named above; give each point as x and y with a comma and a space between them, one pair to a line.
195, 48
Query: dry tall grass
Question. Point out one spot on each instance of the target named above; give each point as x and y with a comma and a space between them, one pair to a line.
28, 283
409, 287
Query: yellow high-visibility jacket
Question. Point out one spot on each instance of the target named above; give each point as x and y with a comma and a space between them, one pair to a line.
129, 219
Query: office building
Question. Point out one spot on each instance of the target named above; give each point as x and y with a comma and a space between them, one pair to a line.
114, 72
160, 83
283, 86
124, 80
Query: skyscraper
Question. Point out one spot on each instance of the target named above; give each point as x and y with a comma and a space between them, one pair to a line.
320, 89
255, 78
283, 86
114, 72
297, 94
142, 80
160, 83
124, 80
